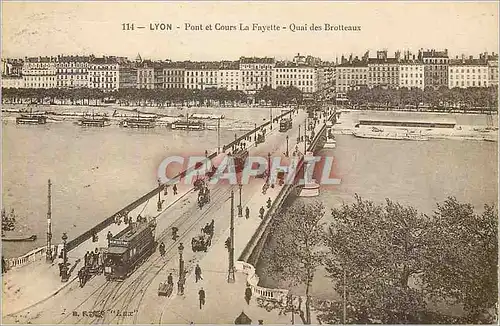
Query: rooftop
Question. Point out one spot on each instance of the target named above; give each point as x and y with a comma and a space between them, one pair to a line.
265, 60
382, 61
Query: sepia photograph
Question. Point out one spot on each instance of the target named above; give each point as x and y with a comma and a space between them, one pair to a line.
237, 162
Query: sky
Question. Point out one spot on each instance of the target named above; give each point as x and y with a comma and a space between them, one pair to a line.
70, 28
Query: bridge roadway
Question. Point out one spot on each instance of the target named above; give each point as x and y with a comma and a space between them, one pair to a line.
137, 295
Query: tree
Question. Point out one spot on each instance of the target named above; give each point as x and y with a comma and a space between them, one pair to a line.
376, 250
396, 264
463, 252
297, 235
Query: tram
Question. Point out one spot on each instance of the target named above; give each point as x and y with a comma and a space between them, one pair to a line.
129, 249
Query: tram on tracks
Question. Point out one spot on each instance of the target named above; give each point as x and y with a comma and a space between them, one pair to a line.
129, 249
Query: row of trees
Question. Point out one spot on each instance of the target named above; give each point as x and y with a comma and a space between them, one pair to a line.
149, 97
280, 95
441, 98
394, 264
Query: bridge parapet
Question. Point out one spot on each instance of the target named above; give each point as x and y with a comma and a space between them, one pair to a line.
277, 295
32, 256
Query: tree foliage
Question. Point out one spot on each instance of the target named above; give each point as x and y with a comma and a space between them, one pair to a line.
125, 96
485, 98
397, 261
463, 258
297, 235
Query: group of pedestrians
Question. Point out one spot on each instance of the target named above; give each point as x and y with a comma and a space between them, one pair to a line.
174, 189
93, 259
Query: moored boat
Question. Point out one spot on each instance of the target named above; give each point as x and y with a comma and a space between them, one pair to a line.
389, 136
187, 125
207, 116
138, 123
94, 122
33, 237
31, 118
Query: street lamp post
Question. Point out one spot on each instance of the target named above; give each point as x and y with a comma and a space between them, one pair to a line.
268, 165
305, 138
240, 206
298, 139
48, 251
180, 283
64, 267
159, 196
271, 118
287, 154
230, 274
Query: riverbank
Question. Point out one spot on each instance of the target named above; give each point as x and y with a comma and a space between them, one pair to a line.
479, 127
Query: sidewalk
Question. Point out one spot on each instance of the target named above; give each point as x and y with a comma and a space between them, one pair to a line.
38, 281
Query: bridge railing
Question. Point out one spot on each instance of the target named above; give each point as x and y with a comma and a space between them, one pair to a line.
277, 295
251, 132
32, 256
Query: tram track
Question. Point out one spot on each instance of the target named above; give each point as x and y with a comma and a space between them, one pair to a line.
215, 205
130, 292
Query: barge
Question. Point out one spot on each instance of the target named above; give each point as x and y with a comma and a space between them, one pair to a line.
187, 125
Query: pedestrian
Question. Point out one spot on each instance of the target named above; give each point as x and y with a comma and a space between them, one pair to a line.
174, 188
91, 258
109, 236
61, 263
201, 295
269, 202
96, 257
261, 211
4, 265
86, 258
165, 191
247, 213
197, 273
248, 294
170, 279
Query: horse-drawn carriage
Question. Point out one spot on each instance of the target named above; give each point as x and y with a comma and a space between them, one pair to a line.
204, 240
87, 272
261, 137
203, 196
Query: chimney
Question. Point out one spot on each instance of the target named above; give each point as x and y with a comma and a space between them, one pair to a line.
470, 57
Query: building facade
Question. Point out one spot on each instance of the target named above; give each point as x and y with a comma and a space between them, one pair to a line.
145, 75
201, 75
492, 62
435, 67
12, 67
40, 72
469, 72
128, 76
383, 71
104, 73
256, 73
289, 74
72, 71
351, 75
12, 82
229, 76
173, 75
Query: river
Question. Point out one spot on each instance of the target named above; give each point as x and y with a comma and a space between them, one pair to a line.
94, 171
